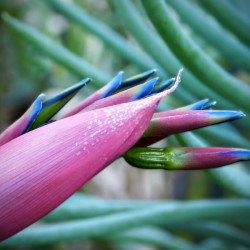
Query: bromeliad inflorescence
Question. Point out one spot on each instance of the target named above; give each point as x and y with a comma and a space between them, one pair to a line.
43, 162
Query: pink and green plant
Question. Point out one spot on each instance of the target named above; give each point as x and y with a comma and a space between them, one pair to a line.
44, 162
184, 158
47, 165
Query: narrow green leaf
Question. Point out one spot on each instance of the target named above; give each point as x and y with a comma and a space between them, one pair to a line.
116, 42
120, 222
56, 51
155, 237
228, 15
81, 206
209, 29
213, 244
213, 229
224, 136
194, 58
154, 45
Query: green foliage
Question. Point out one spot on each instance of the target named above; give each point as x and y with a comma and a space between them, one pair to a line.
109, 224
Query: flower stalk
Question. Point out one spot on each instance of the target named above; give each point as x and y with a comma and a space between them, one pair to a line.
43, 162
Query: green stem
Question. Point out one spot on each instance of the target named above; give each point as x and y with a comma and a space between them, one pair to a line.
194, 58
230, 47
110, 224
229, 17
233, 179
153, 44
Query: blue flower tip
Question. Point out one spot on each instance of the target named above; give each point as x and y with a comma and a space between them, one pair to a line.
81, 83
137, 78
241, 154
151, 71
87, 80
40, 97
200, 104
225, 116
120, 73
37, 107
238, 114
148, 73
146, 89
114, 84
209, 105
155, 79
117, 80
242, 114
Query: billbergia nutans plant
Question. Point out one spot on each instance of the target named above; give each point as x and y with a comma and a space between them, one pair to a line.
50, 152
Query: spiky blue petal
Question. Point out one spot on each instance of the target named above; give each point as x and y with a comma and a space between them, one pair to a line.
66, 92
146, 89
35, 111
56, 103
208, 105
161, 86
113, 85
137, 79
227, 115
240, 154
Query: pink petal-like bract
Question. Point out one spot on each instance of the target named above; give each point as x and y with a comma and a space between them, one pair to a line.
123, 96
203, 158
99, 94
167, 123
41, 169
18, 127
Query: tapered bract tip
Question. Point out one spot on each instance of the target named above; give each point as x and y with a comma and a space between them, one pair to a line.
240, 154
137, 79
184, 158
114, 84
162, 85
146, 89
224, 116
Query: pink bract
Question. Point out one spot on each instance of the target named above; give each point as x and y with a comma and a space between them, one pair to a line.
41, 169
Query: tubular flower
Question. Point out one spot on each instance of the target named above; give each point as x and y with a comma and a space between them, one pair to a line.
184, 158
43, 162
171, 122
